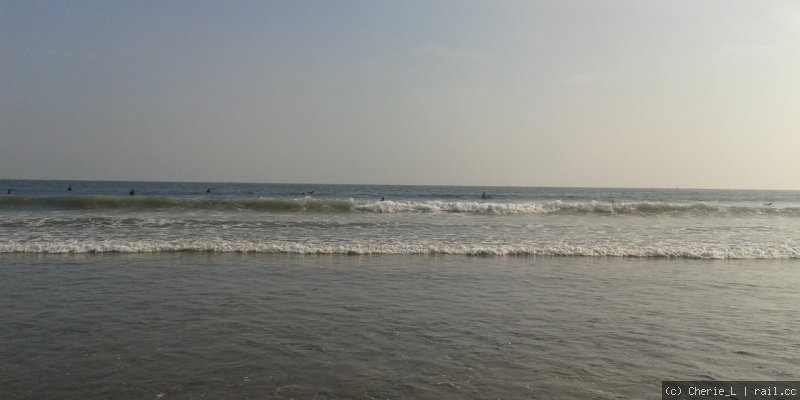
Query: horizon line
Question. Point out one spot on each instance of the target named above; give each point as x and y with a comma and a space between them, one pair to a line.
392, 184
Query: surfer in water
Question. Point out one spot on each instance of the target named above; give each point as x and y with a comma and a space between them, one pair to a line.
132, 192
9, 191
69, 188
208, 190
486, 196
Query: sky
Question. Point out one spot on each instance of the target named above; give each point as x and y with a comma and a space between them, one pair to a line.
613, 93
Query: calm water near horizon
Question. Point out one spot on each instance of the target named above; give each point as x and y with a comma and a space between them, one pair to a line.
262, 291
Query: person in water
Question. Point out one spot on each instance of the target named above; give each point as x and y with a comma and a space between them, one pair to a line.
9, 191
132, 192
69, 188
382, 198
208, 190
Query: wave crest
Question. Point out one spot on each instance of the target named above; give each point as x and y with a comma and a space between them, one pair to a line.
557, 207
221, 246
144, 203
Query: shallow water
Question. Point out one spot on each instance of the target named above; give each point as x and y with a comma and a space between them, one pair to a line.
210, 325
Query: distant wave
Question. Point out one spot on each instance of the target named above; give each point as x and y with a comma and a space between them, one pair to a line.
557, 207
220, 246
145, 203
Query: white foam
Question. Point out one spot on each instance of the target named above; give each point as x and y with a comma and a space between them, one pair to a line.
697, 251
563, 207
452, 206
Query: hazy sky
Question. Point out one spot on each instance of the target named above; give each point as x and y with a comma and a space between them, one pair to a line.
637, 93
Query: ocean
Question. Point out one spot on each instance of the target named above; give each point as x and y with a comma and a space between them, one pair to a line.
234, 290
98, 217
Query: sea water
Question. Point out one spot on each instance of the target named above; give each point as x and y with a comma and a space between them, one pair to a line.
270, 291
95, 217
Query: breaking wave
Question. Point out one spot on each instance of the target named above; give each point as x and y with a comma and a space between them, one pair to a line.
575, 208
222, 246
556, 207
